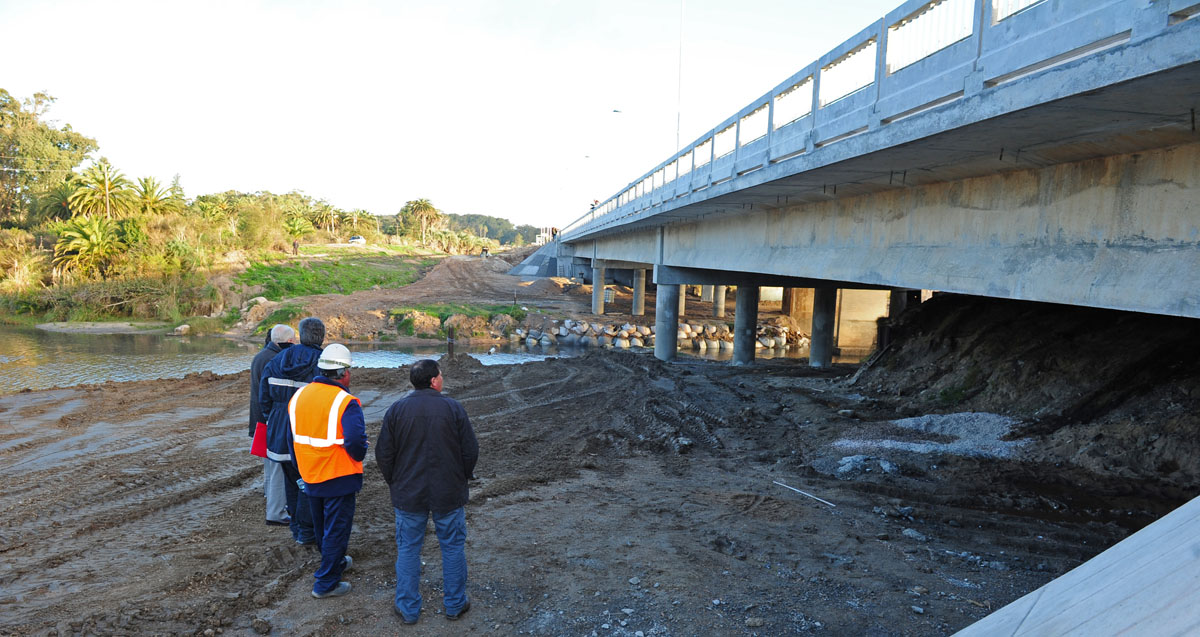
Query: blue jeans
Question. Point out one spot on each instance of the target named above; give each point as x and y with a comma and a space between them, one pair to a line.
451, 531
332, 519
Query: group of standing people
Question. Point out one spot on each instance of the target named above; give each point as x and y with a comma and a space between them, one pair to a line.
315, 442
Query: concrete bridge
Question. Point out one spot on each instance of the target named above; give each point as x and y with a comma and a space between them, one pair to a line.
1042, 150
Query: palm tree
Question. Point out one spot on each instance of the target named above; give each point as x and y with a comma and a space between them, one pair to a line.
151, 197
426, 214
87, 244
102, 189
55, 204
297, 226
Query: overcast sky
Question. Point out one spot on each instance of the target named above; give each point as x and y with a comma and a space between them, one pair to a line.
499, 108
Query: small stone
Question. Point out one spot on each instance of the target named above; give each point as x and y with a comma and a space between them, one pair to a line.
627, 611
754, 622
716, 602
914, 534
882, 536
639, 634
635, 581
845, 412
604, 626
261, 626
920, 590
209, 633
918, 610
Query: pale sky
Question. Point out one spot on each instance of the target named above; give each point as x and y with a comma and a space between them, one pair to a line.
497, 108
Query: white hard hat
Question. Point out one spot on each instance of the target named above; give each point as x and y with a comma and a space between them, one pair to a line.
335, 356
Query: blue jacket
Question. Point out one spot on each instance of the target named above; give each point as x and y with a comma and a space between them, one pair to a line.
297, 364
354, 432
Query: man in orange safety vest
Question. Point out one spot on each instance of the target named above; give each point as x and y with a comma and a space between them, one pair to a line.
329, 441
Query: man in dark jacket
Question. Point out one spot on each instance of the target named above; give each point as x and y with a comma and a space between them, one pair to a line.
290, 370
279, 338
427, 452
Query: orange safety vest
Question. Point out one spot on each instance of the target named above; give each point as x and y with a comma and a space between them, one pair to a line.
315, 412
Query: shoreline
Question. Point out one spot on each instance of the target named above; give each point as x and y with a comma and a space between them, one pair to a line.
102, 327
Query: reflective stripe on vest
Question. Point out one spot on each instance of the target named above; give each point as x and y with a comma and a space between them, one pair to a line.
285, 382
315, 414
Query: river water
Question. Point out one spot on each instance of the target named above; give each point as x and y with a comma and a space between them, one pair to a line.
37, 359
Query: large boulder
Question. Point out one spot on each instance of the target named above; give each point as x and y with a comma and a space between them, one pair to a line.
502, 324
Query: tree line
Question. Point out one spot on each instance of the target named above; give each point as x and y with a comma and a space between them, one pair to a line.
68, 219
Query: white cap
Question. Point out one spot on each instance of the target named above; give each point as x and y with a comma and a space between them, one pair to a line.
335, 356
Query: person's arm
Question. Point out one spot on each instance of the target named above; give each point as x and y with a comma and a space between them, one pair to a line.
468, 443
354, 431
385, 447
264, 390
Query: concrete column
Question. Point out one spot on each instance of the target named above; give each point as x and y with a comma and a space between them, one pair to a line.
901, 300
682, 291
745, 325
666, 322
820, 350
719, 301
706, 293
598, 290
639, 293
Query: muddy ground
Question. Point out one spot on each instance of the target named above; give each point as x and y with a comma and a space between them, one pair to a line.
618, 495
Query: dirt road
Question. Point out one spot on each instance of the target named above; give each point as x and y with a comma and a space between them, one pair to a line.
616, 495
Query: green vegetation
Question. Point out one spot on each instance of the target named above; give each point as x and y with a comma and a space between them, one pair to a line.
501, 230
444, 311
79, 240
280, 281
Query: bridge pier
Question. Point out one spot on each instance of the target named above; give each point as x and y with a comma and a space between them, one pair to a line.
666, 321
682, 291
639, 293
706, 293
820, 350
745, 324
718, 301
598, 274
901, 300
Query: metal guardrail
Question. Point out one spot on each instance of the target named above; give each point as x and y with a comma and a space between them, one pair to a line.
921, 55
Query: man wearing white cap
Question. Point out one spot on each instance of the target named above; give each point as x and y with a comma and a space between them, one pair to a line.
329, 440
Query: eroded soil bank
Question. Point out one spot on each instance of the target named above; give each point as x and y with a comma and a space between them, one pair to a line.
619, 495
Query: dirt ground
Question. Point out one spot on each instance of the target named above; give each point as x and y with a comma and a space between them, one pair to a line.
618, 495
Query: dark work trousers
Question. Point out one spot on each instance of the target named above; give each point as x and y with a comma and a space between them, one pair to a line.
297, 505
332, 519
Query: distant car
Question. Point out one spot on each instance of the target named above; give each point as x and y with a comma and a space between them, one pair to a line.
359, 240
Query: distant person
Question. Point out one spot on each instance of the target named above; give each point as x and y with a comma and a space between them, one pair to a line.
290, 370
329, 440
427, 452
295, 246
279, 338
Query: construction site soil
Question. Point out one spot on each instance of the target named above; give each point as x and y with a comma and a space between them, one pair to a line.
989, 448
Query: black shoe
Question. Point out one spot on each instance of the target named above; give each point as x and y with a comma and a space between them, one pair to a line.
337, 591
349, 561
462, 611
312, 542
406, 620
279, 522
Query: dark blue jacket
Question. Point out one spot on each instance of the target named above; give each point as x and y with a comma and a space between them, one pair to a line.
427, 451
354, 433
299, 364
260, 361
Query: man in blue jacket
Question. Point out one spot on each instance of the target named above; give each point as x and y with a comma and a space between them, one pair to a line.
290, 370
279, 338
427, 451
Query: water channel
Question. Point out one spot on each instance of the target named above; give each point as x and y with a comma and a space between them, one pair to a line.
37, 359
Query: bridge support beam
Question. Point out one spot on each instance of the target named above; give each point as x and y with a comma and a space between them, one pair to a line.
820, 350
706, 293
718, 301
598, 274
639, 293
666, 322
901, 300
745, 324
682, 301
